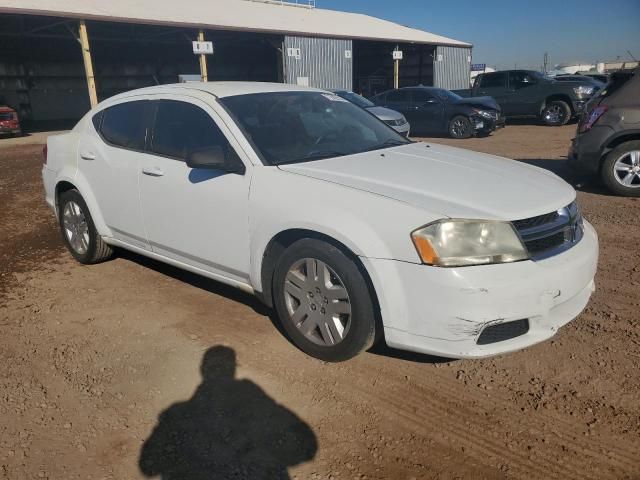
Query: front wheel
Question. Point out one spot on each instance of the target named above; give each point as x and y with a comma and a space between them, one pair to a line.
621, 169
323, 301
556, 113
460, 127
78, 231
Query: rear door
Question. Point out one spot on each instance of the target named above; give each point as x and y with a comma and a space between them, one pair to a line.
399, 100
493, 85
109, 156
195, 216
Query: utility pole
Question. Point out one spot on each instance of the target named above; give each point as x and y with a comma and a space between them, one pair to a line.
88, 64
545, 63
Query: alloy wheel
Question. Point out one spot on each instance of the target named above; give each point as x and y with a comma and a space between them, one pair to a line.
627, 169
75, 227
554, 114
317, 302
459, 128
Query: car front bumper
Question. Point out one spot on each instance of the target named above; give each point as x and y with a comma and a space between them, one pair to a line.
587, 149
444, 311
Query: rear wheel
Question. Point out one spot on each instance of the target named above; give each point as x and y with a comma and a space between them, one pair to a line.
460, 127
556, 113
323, 301
78, 231
621, 169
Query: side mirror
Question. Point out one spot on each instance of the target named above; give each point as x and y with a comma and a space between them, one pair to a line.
215, 158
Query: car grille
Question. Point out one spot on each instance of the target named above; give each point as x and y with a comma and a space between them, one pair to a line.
6, 116
552, 233
503, 331
395, 123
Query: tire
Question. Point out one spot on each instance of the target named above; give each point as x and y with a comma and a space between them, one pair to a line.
78, 230
314, 330
556, 113
460, 127
621, 169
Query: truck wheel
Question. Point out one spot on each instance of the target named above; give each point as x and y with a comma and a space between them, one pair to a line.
460, 127
556, 113
323, 301
621, 169
78, 231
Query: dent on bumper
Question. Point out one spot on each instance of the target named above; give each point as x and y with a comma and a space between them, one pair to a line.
443, 311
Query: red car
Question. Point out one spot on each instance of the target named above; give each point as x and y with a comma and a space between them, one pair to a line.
9, 123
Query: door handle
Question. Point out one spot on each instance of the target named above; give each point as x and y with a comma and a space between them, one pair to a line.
153, 171
88, 156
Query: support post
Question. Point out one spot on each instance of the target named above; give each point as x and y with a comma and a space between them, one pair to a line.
203, 60
88, 64
396, 74
396, 70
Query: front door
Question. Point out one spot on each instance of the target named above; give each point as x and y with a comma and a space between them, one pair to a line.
426, 113
195, 216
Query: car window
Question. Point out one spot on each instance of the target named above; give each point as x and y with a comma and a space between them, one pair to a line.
399, 96
518, 80
493, 80
124, 125
181, 127
291, 127
421, 97
97, 120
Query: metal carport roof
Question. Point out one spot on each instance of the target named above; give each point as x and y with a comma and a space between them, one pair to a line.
239, 15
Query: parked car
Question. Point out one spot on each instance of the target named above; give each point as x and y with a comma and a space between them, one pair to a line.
352, 232
9, 121
607, 142
436, 111
527, 93
394, 119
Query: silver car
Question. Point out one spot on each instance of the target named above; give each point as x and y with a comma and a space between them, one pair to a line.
392, 118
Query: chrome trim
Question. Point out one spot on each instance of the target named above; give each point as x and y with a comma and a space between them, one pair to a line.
568, 222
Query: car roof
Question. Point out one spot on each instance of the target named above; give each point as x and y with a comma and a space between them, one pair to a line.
219, 89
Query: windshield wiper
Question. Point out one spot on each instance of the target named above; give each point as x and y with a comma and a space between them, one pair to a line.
315, 156
388, 144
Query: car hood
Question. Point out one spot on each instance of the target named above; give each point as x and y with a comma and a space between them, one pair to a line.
480, 102
385, 113
447, 181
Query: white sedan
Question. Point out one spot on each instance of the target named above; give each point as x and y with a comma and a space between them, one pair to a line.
350, 231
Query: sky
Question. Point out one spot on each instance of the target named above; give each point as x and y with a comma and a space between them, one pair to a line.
517, 33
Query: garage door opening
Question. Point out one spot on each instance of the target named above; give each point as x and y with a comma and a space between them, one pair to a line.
373, 66
42, 73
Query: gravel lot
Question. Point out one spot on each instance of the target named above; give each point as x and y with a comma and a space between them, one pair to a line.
125, 370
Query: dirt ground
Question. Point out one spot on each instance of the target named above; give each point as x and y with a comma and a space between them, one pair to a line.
132, 369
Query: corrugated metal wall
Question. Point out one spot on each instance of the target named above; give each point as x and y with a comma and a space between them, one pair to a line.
451, 67
318, 62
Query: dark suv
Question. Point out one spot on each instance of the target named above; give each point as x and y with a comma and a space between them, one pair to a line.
608, 138
527, 93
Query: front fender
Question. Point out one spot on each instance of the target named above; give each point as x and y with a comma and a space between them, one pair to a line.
369, 225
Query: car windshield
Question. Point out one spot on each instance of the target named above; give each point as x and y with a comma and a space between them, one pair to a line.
448, 95
294, 127
357, 99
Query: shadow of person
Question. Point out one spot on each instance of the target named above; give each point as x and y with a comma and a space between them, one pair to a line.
229, 429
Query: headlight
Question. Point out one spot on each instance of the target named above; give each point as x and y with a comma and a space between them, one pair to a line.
484, 113
458, 243
583, 90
